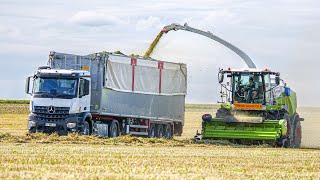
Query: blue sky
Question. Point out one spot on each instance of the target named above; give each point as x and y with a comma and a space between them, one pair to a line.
280, 35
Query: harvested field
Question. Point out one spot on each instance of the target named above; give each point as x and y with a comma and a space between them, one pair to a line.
44, 157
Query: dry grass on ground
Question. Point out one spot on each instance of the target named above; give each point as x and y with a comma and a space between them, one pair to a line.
68, 161
40, 156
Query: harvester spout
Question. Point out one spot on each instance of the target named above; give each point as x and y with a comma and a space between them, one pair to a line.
208, 34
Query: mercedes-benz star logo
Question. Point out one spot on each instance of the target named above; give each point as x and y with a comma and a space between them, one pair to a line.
51, 109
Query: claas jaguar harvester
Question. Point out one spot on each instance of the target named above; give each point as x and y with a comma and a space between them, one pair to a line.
256, 105
107, 94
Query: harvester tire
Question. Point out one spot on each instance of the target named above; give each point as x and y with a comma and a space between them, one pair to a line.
290, 129
297, 133
222, 113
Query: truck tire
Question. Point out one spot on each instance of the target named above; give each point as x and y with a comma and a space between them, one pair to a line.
222, 113
159, 131
32, 130
113, 130
168, 131
86, 128
297, 133
152, 131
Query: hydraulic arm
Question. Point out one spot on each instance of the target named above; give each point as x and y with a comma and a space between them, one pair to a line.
185, 27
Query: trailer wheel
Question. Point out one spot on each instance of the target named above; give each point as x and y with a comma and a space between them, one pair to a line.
297, 134
168, 131
113, 130
159, 131
152, 131
178, 129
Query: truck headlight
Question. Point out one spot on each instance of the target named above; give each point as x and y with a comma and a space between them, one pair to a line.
71, 125
31, 124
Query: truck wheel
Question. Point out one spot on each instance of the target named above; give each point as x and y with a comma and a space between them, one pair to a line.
85, 128
152, 131
32, 130
297, 133
113, 130
222, 113
168, 131
159, 131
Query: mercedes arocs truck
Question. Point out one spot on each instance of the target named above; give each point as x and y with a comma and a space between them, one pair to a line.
108, 95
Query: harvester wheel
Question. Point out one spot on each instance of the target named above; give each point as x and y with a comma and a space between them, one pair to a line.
159, 131
152, 131
297, 134
222, 113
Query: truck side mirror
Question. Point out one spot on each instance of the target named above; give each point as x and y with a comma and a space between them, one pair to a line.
27, 86
220, 77
277, 80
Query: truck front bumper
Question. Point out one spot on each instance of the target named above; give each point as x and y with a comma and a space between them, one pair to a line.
62, 127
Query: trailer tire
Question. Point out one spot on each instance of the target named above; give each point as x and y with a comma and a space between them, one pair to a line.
152, 131
159, 131
168, 131
113, 130
178, 129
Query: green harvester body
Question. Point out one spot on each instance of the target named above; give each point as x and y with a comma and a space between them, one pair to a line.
270, 119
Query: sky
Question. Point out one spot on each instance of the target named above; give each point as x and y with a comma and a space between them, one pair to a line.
279, 35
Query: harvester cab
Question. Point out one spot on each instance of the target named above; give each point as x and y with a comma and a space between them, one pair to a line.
256, 106
250, 87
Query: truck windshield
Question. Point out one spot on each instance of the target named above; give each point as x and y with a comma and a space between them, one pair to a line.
248, 88
57, 88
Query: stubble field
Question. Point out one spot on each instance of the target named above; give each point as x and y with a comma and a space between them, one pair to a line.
73, 156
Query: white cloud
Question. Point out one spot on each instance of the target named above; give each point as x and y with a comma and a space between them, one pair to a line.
9, 31
150, 22
94, 18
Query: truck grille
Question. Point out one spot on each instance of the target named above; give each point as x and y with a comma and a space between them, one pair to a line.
51, 113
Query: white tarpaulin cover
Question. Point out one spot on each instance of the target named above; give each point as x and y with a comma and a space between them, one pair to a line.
146, 76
